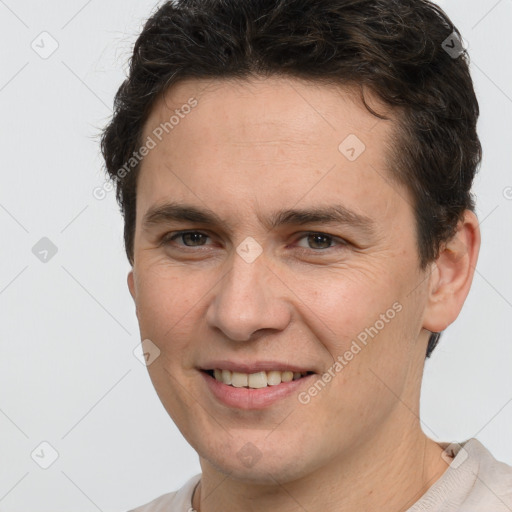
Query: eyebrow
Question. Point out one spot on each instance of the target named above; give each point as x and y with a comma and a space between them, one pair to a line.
332, 214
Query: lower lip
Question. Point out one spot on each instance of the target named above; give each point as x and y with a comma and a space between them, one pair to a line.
251, 399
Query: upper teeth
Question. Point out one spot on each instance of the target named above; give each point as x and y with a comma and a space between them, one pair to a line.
256, 380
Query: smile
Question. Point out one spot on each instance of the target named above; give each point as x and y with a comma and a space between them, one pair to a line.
256, 380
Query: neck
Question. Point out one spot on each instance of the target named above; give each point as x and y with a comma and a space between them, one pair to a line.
387, 474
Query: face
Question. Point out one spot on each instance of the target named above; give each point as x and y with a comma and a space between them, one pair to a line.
269, 240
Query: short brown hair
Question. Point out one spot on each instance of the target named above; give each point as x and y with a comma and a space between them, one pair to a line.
406, 51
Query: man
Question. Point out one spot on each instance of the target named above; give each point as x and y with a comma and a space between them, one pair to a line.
295, 181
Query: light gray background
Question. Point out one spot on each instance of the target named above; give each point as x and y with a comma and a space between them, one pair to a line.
68, 375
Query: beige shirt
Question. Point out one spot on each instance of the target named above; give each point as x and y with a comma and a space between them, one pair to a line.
474, 482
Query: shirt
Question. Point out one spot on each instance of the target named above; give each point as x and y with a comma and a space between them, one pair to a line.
474, 482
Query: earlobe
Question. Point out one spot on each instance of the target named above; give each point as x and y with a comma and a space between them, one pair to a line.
452, 275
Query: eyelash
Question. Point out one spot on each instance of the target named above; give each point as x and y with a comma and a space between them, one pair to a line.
170, 237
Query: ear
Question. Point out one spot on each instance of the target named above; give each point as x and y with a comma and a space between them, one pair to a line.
452, 275
131, 284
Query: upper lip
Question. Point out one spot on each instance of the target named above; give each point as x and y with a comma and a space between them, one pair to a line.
254, 366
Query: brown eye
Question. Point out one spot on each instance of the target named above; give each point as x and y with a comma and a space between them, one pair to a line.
321, 241
194, 237
189, 238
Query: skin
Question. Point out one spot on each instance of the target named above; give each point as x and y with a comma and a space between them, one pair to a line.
248, 149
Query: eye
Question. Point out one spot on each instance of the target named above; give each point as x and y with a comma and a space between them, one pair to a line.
189, 238
321, 241
315, 241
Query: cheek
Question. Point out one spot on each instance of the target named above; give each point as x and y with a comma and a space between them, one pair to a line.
167, 300
366, 323
345, 302
367, 331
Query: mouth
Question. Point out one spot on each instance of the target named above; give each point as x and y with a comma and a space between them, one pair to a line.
257, 380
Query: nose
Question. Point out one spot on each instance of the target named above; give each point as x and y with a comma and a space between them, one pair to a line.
250, 297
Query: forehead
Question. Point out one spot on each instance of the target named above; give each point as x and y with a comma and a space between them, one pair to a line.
278, 106
266, 141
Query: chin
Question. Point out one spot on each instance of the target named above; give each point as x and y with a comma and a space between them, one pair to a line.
249, 464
